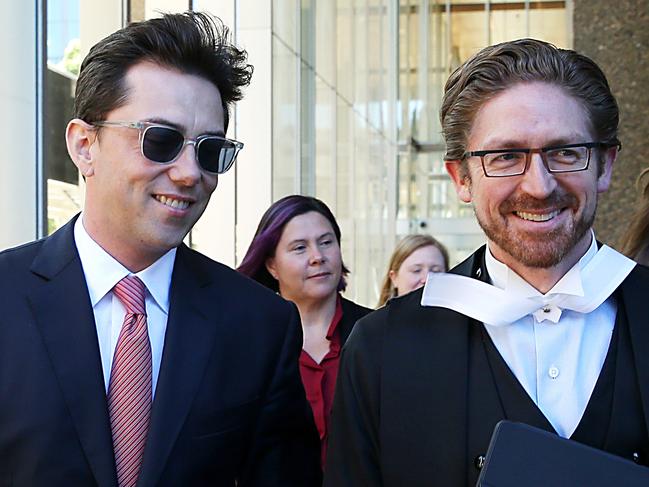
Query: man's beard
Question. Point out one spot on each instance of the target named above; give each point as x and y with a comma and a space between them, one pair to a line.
539, 251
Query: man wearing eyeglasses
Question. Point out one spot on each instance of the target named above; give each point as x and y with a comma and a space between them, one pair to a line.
126, 357
543, 325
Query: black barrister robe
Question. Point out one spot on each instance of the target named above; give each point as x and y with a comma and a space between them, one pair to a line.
408, 391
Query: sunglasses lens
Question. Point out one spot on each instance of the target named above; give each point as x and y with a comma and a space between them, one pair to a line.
161, 144
216, 155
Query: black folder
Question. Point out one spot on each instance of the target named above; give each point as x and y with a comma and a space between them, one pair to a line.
520, 455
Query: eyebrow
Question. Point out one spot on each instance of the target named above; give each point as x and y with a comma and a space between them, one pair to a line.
496, 144
302, 240
181, 128
297, 240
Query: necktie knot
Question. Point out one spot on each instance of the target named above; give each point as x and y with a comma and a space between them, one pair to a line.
130, 291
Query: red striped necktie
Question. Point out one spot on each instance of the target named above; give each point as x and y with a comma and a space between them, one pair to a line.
129, 391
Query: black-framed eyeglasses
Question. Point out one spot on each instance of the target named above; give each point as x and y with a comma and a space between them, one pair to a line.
163, 144
498, 163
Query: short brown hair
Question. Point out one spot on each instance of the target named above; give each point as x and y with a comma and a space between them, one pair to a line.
191, 42
496, 68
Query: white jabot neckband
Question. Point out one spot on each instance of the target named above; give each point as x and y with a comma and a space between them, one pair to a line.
488, 304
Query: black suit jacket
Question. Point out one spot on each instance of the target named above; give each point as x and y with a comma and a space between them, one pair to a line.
400, 411
352, 312
229, 404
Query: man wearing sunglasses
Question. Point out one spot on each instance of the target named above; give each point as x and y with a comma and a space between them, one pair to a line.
542, 325
126, 357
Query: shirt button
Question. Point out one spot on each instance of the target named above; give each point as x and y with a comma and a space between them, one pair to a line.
553, 372
479, 462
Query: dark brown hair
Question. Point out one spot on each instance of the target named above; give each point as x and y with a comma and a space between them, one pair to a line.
191, 42
496, 68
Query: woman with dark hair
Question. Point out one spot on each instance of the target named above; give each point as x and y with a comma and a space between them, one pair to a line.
296, 252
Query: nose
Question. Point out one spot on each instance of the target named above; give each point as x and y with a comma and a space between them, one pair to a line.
316, 257
537, 180
423, 277
185, 170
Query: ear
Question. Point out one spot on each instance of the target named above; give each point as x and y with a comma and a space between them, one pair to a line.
604, 179
392, 275
460, 179
271, 268
79, 138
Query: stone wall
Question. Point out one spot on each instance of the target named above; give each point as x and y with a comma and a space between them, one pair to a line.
616, 35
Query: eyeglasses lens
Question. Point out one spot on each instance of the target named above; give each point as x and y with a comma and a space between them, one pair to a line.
567, 159
161, 144
215, 154
504, 163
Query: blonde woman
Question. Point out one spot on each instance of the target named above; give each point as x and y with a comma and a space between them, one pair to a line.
635, 242
413, 258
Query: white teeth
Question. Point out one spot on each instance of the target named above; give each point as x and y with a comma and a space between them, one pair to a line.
536, 217
181, 205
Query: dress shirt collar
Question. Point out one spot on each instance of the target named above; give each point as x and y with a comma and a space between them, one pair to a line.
591, 281
570, 284
102, 271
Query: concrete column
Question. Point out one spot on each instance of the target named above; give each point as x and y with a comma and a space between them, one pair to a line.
254, 122
617, 38
18, 124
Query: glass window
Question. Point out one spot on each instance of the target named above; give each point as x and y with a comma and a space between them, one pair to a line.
325, 102
64, 56
331, 94
335, 118
286, 131
72, 28
435, 38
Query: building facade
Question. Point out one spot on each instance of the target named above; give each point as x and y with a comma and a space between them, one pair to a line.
343, 105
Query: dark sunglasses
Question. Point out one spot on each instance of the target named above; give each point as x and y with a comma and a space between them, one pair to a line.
163, 144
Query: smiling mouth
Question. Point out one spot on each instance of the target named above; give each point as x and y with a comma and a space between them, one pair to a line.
537, 217
173, 203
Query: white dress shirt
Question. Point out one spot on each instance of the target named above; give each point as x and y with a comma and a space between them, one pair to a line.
554, 343
102, 272
556, 362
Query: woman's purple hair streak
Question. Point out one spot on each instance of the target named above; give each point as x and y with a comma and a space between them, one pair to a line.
270, 230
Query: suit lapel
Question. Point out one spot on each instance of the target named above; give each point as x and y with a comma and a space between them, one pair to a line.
64, 317
634, 299
189, 339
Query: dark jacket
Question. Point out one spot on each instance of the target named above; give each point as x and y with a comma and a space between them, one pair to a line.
402, 405
229, 407
352, 312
